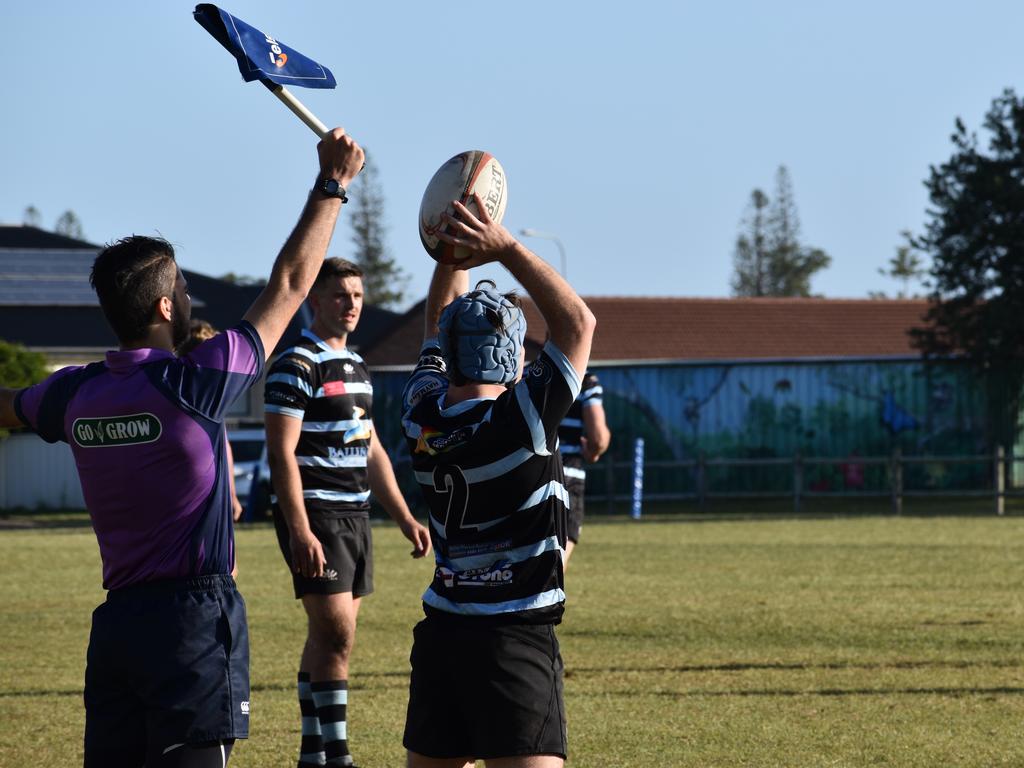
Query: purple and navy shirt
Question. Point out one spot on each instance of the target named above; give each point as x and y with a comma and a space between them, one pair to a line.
147, 432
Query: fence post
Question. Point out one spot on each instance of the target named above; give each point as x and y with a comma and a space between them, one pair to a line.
999, 466
798, 481
896, 480
638, 478
702, 479
609, 484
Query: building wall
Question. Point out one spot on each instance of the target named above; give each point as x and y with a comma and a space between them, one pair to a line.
35, 474
829, 409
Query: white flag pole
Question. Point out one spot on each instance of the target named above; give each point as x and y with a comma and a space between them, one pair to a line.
297, 107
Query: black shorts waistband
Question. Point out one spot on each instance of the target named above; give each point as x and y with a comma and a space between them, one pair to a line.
213, 581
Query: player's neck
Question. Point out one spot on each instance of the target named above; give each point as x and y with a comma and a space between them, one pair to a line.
332, 341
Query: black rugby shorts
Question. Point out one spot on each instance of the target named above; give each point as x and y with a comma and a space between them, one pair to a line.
348, 550
485, 692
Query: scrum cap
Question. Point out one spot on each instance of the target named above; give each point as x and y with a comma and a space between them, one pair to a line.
481, 336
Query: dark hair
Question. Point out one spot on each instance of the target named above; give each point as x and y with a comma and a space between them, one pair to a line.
335, 267
198, 332
129, 277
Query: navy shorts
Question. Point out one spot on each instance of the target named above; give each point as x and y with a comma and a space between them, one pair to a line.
348, 550
485, 692
168, 663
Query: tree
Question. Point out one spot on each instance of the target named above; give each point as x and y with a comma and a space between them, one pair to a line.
769, 259
905, 267
975, 236
20, 367
383, 280
31, 217
69, 225
237, 279
750, 261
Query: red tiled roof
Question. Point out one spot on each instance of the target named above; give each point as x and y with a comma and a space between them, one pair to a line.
642, 328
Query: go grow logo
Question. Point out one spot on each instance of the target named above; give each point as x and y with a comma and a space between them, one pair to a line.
111, 431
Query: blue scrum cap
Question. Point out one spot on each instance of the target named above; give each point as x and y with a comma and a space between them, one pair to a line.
481, 336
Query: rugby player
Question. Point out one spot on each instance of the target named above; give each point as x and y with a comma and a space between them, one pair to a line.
486, 669
167, 668
583, 436
325, 460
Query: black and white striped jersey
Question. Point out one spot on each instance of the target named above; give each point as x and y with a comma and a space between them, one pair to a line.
571, 429
330, 391
492, 477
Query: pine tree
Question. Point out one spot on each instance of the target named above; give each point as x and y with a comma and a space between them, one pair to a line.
383, 280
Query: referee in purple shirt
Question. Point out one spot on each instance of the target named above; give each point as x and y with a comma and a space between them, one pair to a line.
167, 669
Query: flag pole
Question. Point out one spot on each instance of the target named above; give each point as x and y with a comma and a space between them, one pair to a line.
296, 106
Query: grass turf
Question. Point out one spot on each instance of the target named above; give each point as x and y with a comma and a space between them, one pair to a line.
815, 642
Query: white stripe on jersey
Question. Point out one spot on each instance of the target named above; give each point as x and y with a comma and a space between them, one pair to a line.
554, 488
293, 380
592, 401
335, 495
487, 471
532, 419
295, 413
337, 461
543, 600
351, 388
517, 555
324, 356
598, 390
337, 426
579, 474
572, 378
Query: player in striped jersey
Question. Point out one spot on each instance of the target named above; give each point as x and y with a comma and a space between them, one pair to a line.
486, 670
325, 459
582, 437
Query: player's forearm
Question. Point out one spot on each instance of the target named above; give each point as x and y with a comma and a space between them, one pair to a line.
446, 284
596, 429
8, 416
288, 489
569, 320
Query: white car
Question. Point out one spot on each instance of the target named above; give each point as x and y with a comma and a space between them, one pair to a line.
249, 449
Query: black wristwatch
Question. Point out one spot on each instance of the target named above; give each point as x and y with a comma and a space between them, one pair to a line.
331, 188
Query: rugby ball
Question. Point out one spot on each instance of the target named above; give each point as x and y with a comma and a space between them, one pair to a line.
466, 174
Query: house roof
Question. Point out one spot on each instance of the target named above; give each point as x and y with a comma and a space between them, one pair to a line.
46, 300
693, 329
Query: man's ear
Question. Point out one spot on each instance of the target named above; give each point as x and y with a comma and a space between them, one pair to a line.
165, 309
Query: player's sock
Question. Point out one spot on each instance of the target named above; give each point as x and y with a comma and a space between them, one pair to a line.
312, 750
331, 697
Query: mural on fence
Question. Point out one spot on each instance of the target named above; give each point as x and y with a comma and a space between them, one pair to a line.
841, 410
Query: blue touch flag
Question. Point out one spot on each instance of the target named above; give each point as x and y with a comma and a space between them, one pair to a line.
261, 56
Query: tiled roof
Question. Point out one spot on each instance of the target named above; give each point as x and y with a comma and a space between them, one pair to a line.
685, 329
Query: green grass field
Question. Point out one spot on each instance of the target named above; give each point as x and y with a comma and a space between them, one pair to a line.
820, 642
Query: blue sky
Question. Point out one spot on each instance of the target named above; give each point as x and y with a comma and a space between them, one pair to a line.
634, 131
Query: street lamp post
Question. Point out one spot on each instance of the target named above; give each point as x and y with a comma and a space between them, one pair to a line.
547, 236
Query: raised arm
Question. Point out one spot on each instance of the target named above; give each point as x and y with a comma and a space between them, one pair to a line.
569, 320
297, 265
446, 284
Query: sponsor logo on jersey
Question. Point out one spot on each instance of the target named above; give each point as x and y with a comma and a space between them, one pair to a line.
360, 431
112, 431
495, 575
332, 388
343, 453
348, 368
434, 441
540, 370
245, 707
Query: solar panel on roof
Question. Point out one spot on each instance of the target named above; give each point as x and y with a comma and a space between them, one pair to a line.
46, 277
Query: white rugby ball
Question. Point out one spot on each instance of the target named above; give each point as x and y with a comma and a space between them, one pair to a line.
466, 174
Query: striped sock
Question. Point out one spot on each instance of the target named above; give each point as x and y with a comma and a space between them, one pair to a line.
331, 697
312, 750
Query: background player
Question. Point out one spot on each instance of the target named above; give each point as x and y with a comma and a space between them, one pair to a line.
583, 436
486, 669
325, 460
167, 677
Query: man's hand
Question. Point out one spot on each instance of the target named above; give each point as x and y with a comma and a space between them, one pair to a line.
485, 238
340, 157
589, 454
236, 508
307, 554
417, 534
